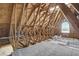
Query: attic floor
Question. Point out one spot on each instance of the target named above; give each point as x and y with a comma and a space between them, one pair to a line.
56, 47
49, 48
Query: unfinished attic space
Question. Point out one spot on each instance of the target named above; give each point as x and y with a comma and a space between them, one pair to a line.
39, 29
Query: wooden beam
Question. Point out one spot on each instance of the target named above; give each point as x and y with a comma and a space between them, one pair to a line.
58, 15
46, 15
20, 25
19, 21
54, 19
51, 16
76, 6
40, 16
13, 28
70, 16
35, 17
58, 18
32, 10
46, 21
43, 21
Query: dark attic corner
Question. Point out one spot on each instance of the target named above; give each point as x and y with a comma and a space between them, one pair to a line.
39, 29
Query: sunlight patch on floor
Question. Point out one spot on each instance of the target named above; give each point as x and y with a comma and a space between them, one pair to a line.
6, 50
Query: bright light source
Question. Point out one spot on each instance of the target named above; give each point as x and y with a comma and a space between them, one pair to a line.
65, 27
